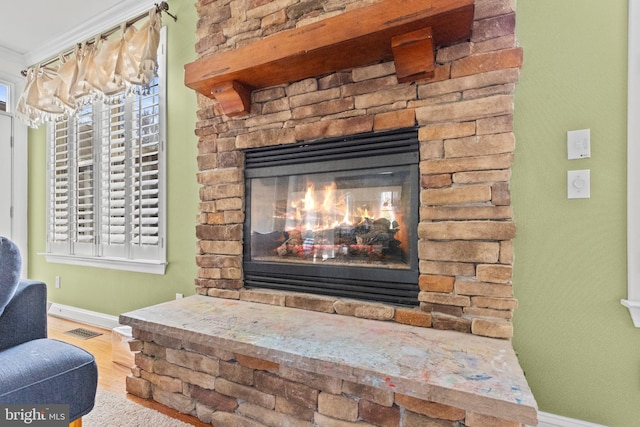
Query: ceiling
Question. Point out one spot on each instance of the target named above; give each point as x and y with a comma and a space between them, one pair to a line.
32, 30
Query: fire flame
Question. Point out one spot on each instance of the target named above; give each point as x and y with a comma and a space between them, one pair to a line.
329, 197
309, 201
327, 209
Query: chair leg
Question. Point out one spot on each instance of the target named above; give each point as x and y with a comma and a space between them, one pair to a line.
76, 423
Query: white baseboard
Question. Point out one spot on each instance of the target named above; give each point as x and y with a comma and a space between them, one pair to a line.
83, 316
551, 420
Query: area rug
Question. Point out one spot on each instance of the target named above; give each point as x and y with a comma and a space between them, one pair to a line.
114, 410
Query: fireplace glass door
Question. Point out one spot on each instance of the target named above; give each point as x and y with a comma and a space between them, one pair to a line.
334, 221
338, 218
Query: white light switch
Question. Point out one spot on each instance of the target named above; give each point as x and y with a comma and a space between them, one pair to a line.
579, 144
579, 184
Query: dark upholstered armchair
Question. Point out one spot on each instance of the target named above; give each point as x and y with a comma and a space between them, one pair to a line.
35, 370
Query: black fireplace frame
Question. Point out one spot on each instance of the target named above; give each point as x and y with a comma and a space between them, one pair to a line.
396, 149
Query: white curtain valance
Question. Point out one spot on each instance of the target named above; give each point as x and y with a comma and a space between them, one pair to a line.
101, 70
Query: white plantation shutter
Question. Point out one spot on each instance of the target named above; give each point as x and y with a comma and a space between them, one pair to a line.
84, 192
106, 182
113, 180
59, 187
145, 160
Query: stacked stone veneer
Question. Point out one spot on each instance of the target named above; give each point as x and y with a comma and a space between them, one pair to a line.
464, 116
465, 233
233, 390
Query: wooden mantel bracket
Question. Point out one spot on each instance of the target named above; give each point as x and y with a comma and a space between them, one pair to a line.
233, 96
414, 56
407, 32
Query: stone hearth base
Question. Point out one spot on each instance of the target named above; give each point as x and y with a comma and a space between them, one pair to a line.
237, 363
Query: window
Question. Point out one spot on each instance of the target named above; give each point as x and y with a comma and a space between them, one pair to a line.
106, 167
7, 166
4, 97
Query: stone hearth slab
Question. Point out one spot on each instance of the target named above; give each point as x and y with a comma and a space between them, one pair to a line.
461, 370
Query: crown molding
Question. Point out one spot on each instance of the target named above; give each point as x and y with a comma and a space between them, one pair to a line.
10, 54
11, 64
111, 17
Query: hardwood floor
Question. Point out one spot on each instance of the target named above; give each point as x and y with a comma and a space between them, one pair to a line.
111, 376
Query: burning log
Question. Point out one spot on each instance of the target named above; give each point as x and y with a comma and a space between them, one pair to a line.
373, 239
379, 234
264, 243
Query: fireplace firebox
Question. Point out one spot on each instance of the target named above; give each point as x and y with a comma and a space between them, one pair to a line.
335, 217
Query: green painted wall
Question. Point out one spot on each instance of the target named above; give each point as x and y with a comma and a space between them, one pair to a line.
111, 291
576, 343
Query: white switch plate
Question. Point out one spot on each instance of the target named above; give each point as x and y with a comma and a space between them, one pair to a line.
579, 184
579, 144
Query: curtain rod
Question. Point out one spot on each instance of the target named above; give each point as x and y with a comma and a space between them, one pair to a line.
160, 7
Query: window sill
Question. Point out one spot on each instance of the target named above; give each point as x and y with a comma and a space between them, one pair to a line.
138, 266
634, 310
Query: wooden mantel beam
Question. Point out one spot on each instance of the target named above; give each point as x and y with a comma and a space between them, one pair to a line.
406, 31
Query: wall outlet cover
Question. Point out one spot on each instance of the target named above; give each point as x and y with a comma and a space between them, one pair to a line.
579, 184
579, 144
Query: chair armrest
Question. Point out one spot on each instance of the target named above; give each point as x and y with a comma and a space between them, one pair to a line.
25, 317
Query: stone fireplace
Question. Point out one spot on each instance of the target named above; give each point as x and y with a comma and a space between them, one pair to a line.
453, 254
464, 119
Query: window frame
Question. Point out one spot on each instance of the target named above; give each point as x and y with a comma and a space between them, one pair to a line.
92, 258
8, 109
633, 173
